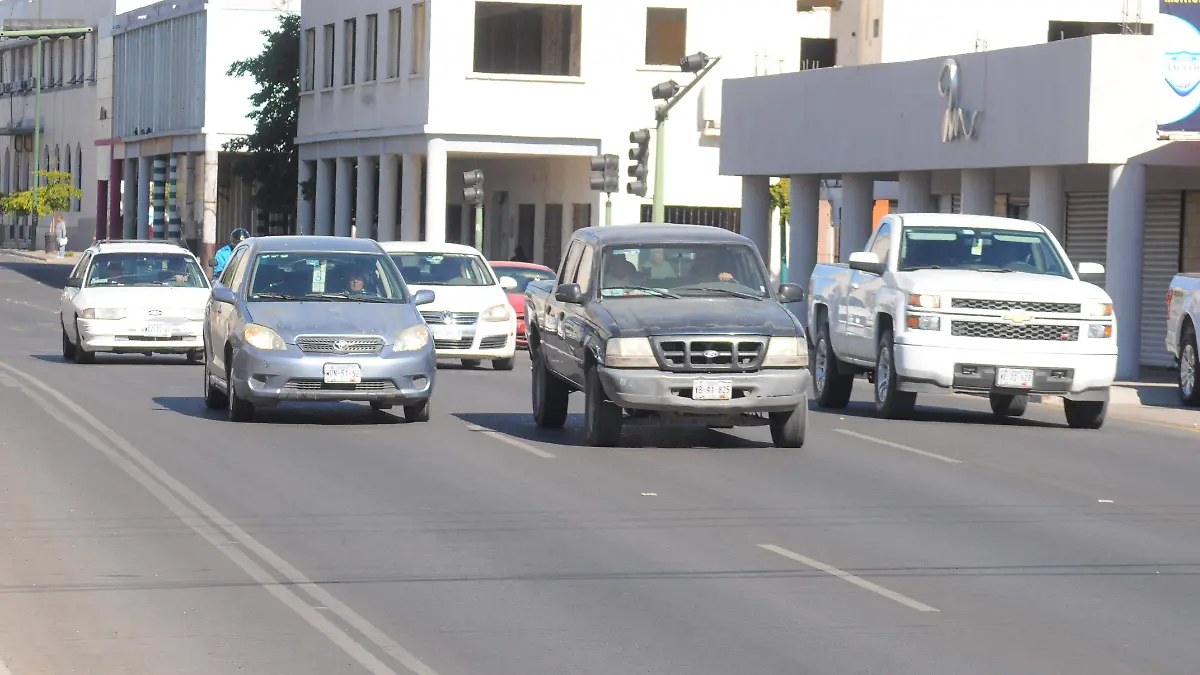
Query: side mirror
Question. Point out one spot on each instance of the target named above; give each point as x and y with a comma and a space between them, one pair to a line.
791, 293
212, 262
508, 283
423, 297
865, 261
73, 283
224, 295
1090, 269
571, 294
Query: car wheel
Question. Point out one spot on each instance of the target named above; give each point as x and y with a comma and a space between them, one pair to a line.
890, 402
788, 428
1188, 391
196, 356
213, 398
68, 348
602, 421
471, 363
1009, 405
82, 356
831, 386
418, 412
503, 364
239, 410
550, 396
1085, 414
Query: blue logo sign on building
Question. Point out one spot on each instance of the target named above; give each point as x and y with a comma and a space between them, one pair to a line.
1178, 36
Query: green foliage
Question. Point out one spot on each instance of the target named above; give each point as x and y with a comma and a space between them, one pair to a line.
779, 199
271, 159
53, 197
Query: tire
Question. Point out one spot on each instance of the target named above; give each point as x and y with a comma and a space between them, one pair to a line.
831, 386
195, 356
1189, 394
68, 347
788, 428
82, 356
237, 409
890, 402
1085, 414
418, 412
213, 398
503, 364
550, 394
1009, 405
471, 363
602, 423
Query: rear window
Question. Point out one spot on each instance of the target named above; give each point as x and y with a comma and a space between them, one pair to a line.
444, 269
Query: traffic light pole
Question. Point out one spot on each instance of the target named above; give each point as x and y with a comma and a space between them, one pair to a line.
37, 137
608, 209
479, 227
660, 146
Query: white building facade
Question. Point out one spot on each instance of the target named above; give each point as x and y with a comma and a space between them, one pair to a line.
400, 98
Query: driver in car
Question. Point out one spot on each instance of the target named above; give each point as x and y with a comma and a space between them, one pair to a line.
356, 283
705, 268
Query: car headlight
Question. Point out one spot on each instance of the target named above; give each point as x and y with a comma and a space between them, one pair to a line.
916, 322
261, 337
1100, 330
786, 352
629, 353
498, 313
411, 339
925, 301
111, 313
1098, 309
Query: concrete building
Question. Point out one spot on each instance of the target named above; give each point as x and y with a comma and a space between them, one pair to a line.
400, 97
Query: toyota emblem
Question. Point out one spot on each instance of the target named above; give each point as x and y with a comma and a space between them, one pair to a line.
711, 353
341, 346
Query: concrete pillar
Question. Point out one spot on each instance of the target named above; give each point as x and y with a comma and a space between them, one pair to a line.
143, 197
435, 191
324, 203
916, 192
858, 206
804, 193
101, 229
159, 201
342, 196
174, 224
979, 192
116, 169
367, 198
410, 198
304, 207
1123, 261
129, 202
210, 240
1048, 199
388, 187
756, 212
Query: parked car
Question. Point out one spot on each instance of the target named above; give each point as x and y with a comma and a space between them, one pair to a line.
521, 273
972, 304
139, 297
667, 324
309, 319
1183, 315
471, 319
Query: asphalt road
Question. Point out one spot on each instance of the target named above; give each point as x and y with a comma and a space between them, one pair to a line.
140, 533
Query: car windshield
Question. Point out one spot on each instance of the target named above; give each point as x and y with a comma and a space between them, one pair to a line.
324, 277
980, 249
667, 270
522, 275
110, 270
444, 269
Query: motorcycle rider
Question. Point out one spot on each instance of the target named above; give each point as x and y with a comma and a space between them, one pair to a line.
222, 257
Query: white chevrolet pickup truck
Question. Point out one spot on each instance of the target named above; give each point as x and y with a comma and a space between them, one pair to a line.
969, 304
1183, 315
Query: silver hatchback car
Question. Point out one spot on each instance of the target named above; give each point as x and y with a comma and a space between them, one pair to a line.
315, 319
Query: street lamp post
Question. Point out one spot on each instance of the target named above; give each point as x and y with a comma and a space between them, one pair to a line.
671, 93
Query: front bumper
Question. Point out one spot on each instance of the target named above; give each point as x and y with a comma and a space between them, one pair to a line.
973, 371
774, 390
393, 378
133, 335
484, 340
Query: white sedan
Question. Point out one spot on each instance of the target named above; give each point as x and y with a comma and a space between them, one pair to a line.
139, 298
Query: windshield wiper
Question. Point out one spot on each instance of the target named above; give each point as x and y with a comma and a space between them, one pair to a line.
345, 296
273, 296
997, 270
921, 267
658, 293
723, 291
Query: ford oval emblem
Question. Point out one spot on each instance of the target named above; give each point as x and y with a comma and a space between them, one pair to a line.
711, 353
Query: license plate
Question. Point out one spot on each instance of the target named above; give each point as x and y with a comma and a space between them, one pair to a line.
1014, 378
446, 332
712, 390
343, 373
158, 330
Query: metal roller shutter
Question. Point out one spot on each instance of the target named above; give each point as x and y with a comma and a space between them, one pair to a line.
1160, 262
1087, 229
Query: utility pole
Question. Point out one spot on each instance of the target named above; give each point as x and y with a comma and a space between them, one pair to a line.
473, 194
605, 178
670, 92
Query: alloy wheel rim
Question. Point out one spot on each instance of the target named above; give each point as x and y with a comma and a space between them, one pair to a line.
821, 363
883, 373
1187, 370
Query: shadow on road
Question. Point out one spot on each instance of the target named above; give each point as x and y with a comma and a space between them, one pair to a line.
521, 425
944, 415
46, 274
103, 359
323, 414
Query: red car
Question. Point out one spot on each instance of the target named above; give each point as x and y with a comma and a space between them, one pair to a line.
522, 273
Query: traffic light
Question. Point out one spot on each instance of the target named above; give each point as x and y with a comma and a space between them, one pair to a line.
606, 175
473, 186
640, 155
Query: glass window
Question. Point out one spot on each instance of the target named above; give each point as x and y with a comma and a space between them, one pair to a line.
145, 269
372, 64
882, 243
522, 275
417, 61
570, 261
324, 277
682, 269
666, 36
444, 269
583, 276
981, 250
230, 266
80, 267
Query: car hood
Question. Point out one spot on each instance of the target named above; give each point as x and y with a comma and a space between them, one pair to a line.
1009, 285
636, 317
290, 319
143, 297
461, 298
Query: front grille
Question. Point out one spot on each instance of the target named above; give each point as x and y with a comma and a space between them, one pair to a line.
1009, 331
330, 344
705, 354
451, 318
464, 343
317, 384
147, 338
493, 342
1022, 305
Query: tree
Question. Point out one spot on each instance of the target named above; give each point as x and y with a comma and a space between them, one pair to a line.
53, 197
271, 161
780, 199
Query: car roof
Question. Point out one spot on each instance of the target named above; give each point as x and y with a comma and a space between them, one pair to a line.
138, 247
660, 233
965, 220
428, 247
282, 244
521, 265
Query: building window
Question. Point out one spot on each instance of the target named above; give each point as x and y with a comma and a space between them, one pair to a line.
666, 36
329, 46
395, 42
371, 70
818, 53
527, 39
1068, 30
350, 49
875, 28
418, 41
310, 59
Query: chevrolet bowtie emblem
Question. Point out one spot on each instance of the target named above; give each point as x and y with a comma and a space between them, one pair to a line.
1017, 317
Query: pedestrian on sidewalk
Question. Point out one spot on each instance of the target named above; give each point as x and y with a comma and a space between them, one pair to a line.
60, 231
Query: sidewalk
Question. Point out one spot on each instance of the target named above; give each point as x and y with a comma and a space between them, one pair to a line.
42, 256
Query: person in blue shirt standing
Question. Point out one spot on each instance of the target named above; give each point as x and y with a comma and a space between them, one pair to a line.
222, 257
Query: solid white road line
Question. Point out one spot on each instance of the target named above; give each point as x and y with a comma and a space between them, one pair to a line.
166, 488
898, 446
23, 303
846, 576
516, 443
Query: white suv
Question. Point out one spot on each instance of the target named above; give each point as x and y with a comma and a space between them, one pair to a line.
140, 297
